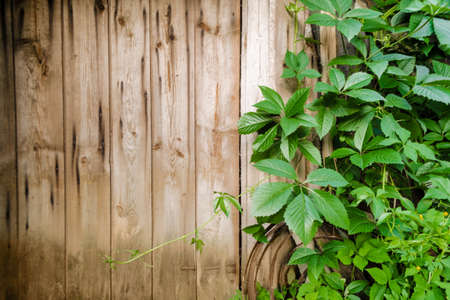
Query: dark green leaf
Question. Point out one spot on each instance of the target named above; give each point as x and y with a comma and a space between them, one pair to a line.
382, 156
268, 106
288, 146
377, 292
276, 167
441, 68
361, 131
436, 93
322, 87
306, 120
269, 198
301, 256
442, 30
326, 120
272, 95
378, 67
325, 177
341, 6
342, 152
378, 275
334, 280
319, 5
393, 100
356, 286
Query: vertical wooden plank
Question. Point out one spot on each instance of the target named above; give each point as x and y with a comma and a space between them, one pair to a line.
267, 33
86, 96
217, 50
131, 216
8, 171
174, 271
39, 98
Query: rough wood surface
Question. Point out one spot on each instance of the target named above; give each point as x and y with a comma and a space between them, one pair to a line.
8, 191
39, 98
86, 123
173, 104
217, 49
130, 117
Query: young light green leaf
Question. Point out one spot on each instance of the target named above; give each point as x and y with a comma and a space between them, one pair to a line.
378, 275
377, 292
272, 95
337, 78
366, 95
310, 152
331, 208
302, 218
378, 67
321, 20
251, 122
326, 177
295, 104
276, 167
269, 198
349, 28
264, 141
289, 125
363, 13
356, 286
290, 59
345, 60
357, 80
310, 73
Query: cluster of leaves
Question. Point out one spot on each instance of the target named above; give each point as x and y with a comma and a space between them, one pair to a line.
385, 188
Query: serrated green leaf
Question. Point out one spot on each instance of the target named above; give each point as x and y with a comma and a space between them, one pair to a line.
357, 80
421, 73
310, 152
337, 78
360, 45
290, 59
321, 20
326, 177
366, 95
360, 262
272, 95
268, 106
359, 222
325, 119
331, 208
393, 100
341, 6
391, 128
301, 256
441, 68
310, 73
349, 28
361, 131
334, 280
306, 120
288, 146
322, 87
436, 93
356, 286
363, 13
382, 156
378, 67
319, 5
269, 198
442, 30
264, 141
345, 60
276, 167
302, 218
251, 122
288, 73
377, 292
296, 103
378, 275
289, 125
342, 152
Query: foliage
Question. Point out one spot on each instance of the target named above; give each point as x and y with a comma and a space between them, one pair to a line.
385, 189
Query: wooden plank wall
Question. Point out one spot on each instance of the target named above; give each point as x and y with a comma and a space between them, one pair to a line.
117, 123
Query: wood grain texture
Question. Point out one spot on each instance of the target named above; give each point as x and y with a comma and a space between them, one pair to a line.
172, 47
217, 48
38, 76
8, 170
86, 123
130, 117
267, 32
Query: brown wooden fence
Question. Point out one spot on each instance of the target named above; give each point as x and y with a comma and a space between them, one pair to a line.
117, 123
